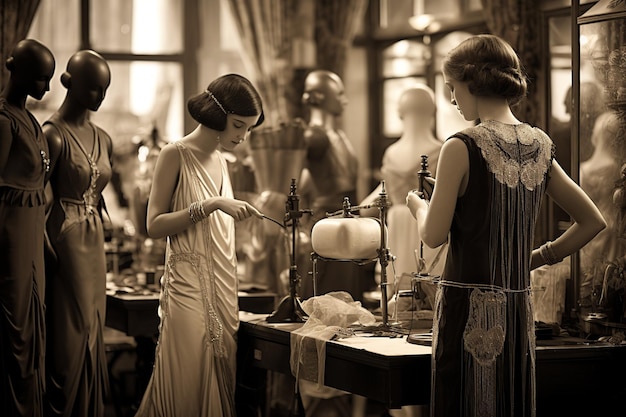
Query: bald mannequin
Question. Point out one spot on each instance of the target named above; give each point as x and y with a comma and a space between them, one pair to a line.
400, 164
331, 160
31, 66
330, 174
416, 109
86, 78
80, 154
23, 165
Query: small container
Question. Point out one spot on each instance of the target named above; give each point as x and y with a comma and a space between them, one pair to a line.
141, 279
150, 277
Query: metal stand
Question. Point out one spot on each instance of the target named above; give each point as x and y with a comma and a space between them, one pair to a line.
290, 308
382, 203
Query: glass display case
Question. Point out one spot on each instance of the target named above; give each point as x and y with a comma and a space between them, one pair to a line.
600, 103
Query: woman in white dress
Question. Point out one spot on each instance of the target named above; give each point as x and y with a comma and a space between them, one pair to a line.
191, 203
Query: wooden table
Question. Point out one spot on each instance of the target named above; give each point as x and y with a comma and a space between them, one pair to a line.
136, 315
572, 375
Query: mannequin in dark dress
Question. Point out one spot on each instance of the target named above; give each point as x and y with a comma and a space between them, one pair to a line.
80, 154
23, 165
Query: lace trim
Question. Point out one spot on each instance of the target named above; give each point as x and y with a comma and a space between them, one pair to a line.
483, 338
514, 153
486, 326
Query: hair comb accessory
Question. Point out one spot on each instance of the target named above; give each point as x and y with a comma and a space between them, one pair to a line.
216, 100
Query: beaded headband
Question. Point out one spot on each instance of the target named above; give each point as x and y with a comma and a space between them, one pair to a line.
216, 100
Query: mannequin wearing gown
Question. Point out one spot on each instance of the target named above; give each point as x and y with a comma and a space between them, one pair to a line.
24, 161
80, 154
400, 164
191, 203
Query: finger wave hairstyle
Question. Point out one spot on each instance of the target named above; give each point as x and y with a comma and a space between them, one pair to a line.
490, 66
228, 94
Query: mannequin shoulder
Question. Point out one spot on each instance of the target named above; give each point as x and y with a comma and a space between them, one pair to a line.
317, 141
106, 138
53, 136
315, 134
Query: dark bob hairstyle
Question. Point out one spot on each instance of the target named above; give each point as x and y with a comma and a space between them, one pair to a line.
228, 94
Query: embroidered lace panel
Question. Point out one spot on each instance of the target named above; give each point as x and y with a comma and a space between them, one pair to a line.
515, 153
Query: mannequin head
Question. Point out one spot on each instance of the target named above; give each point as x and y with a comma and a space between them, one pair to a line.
417, 103
87, 78
31, 65
607, 135
228, 94
324, 90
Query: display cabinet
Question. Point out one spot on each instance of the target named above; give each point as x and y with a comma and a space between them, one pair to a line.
600, 111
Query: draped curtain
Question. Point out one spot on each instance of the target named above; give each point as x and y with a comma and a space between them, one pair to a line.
336, 23
518, 23
16, 17
277, 44
264, 28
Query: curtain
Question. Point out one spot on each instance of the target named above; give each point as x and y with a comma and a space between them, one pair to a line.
16, 17
517, 21
265, 31
336, 23
284, 39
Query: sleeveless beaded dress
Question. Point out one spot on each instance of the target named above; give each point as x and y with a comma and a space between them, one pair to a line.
194, 371
483, 353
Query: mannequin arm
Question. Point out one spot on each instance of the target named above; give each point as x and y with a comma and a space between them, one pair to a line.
316, 141
6, 140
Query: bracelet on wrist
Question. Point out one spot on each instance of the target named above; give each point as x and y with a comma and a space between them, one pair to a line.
548, 255
196, 212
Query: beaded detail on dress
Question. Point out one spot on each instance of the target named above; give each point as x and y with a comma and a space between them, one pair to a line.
213, 323
207, 281
515, 153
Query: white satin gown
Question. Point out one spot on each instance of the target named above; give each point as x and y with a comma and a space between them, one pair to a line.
194, 371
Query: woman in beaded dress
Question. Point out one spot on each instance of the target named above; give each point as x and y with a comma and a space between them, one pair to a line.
191, 203
80, 153
491, 179
24, 162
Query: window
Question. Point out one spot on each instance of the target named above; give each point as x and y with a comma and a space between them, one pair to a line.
142, 40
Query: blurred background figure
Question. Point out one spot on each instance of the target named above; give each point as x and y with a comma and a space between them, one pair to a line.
599, 175
330, 160
149, 253
329, 176
24, 163
277, 155
400, 165
80, 154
